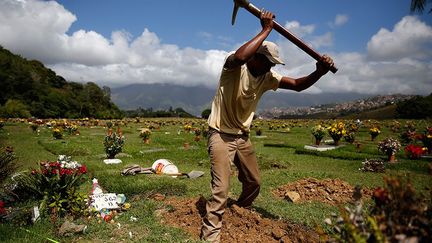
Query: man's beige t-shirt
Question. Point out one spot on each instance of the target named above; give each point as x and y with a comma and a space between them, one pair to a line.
237, 97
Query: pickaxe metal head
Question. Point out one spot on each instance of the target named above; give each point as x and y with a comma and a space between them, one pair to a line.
279, 28
237, 5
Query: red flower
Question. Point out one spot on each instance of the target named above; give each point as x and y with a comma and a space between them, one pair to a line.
55, 164
64, 171
2, 210
413, 151
34, 172
83, 169
54, 171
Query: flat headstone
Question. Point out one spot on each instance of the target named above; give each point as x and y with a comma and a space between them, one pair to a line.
321, 148
152, 150
112, 161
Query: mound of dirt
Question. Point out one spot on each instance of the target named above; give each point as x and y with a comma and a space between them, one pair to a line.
239, 224
330, 191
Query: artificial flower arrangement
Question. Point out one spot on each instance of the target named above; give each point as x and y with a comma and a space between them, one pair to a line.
336, 131
350, 137
414, 151
374, 132
57, 132
145, 135
187, 128
197, 132
318, 132
409, 133
72, 129
389, 147
113, 143
426, 138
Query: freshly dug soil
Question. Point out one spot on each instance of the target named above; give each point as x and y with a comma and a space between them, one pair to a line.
245, 225
330, 191
239, 224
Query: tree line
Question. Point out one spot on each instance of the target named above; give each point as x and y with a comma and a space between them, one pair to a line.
29, 89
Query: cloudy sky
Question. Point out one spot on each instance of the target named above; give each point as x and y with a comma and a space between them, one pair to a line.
378, 46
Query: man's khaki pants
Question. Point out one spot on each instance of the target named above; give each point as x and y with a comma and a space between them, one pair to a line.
223, 149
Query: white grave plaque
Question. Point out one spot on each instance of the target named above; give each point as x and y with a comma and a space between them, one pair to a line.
104, 200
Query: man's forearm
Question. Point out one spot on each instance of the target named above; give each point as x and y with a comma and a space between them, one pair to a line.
300, 84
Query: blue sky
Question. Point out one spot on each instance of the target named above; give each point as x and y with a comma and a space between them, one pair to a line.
378, 46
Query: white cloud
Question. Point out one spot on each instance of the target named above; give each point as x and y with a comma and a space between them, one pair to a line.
38, 30
397, 60
299, 30
340, 20
409, 38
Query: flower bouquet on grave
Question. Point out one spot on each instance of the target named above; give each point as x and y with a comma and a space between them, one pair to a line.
374, 132
414, 151
113, 143
336, 132
145, 134
426, 138
318, 132
389, 147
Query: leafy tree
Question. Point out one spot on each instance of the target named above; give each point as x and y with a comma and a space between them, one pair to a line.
14, 108
42, 93
416, 108
419, 6
205, 113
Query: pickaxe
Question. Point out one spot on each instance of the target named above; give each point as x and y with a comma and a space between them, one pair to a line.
279, 28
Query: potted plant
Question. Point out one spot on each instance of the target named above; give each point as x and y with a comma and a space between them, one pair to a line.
389, 147
336, 131
318, 132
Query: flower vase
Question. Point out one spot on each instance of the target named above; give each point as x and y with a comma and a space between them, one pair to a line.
391, 158
373, 137
186, 146
317, 141
336, 142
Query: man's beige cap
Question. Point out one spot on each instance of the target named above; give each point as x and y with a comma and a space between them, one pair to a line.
270, 50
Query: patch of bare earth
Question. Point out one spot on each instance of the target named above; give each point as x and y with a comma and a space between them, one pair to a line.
239, 224
330, 191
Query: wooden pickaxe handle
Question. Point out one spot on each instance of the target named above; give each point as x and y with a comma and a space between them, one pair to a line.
279, 28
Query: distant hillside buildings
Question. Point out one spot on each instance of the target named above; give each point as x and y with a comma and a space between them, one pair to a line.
345, 107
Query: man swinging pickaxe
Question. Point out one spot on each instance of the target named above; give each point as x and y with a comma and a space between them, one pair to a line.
279, 28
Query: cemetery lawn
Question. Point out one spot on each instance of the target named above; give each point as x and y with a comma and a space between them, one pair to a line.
281, 156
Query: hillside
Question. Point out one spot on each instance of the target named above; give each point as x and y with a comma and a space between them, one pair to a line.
376, 107
197, 98
28, 88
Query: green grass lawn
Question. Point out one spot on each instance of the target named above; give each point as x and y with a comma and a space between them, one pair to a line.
276, 146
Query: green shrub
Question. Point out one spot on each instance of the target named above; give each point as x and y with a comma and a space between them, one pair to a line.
398, 214
7, 164
55, 184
